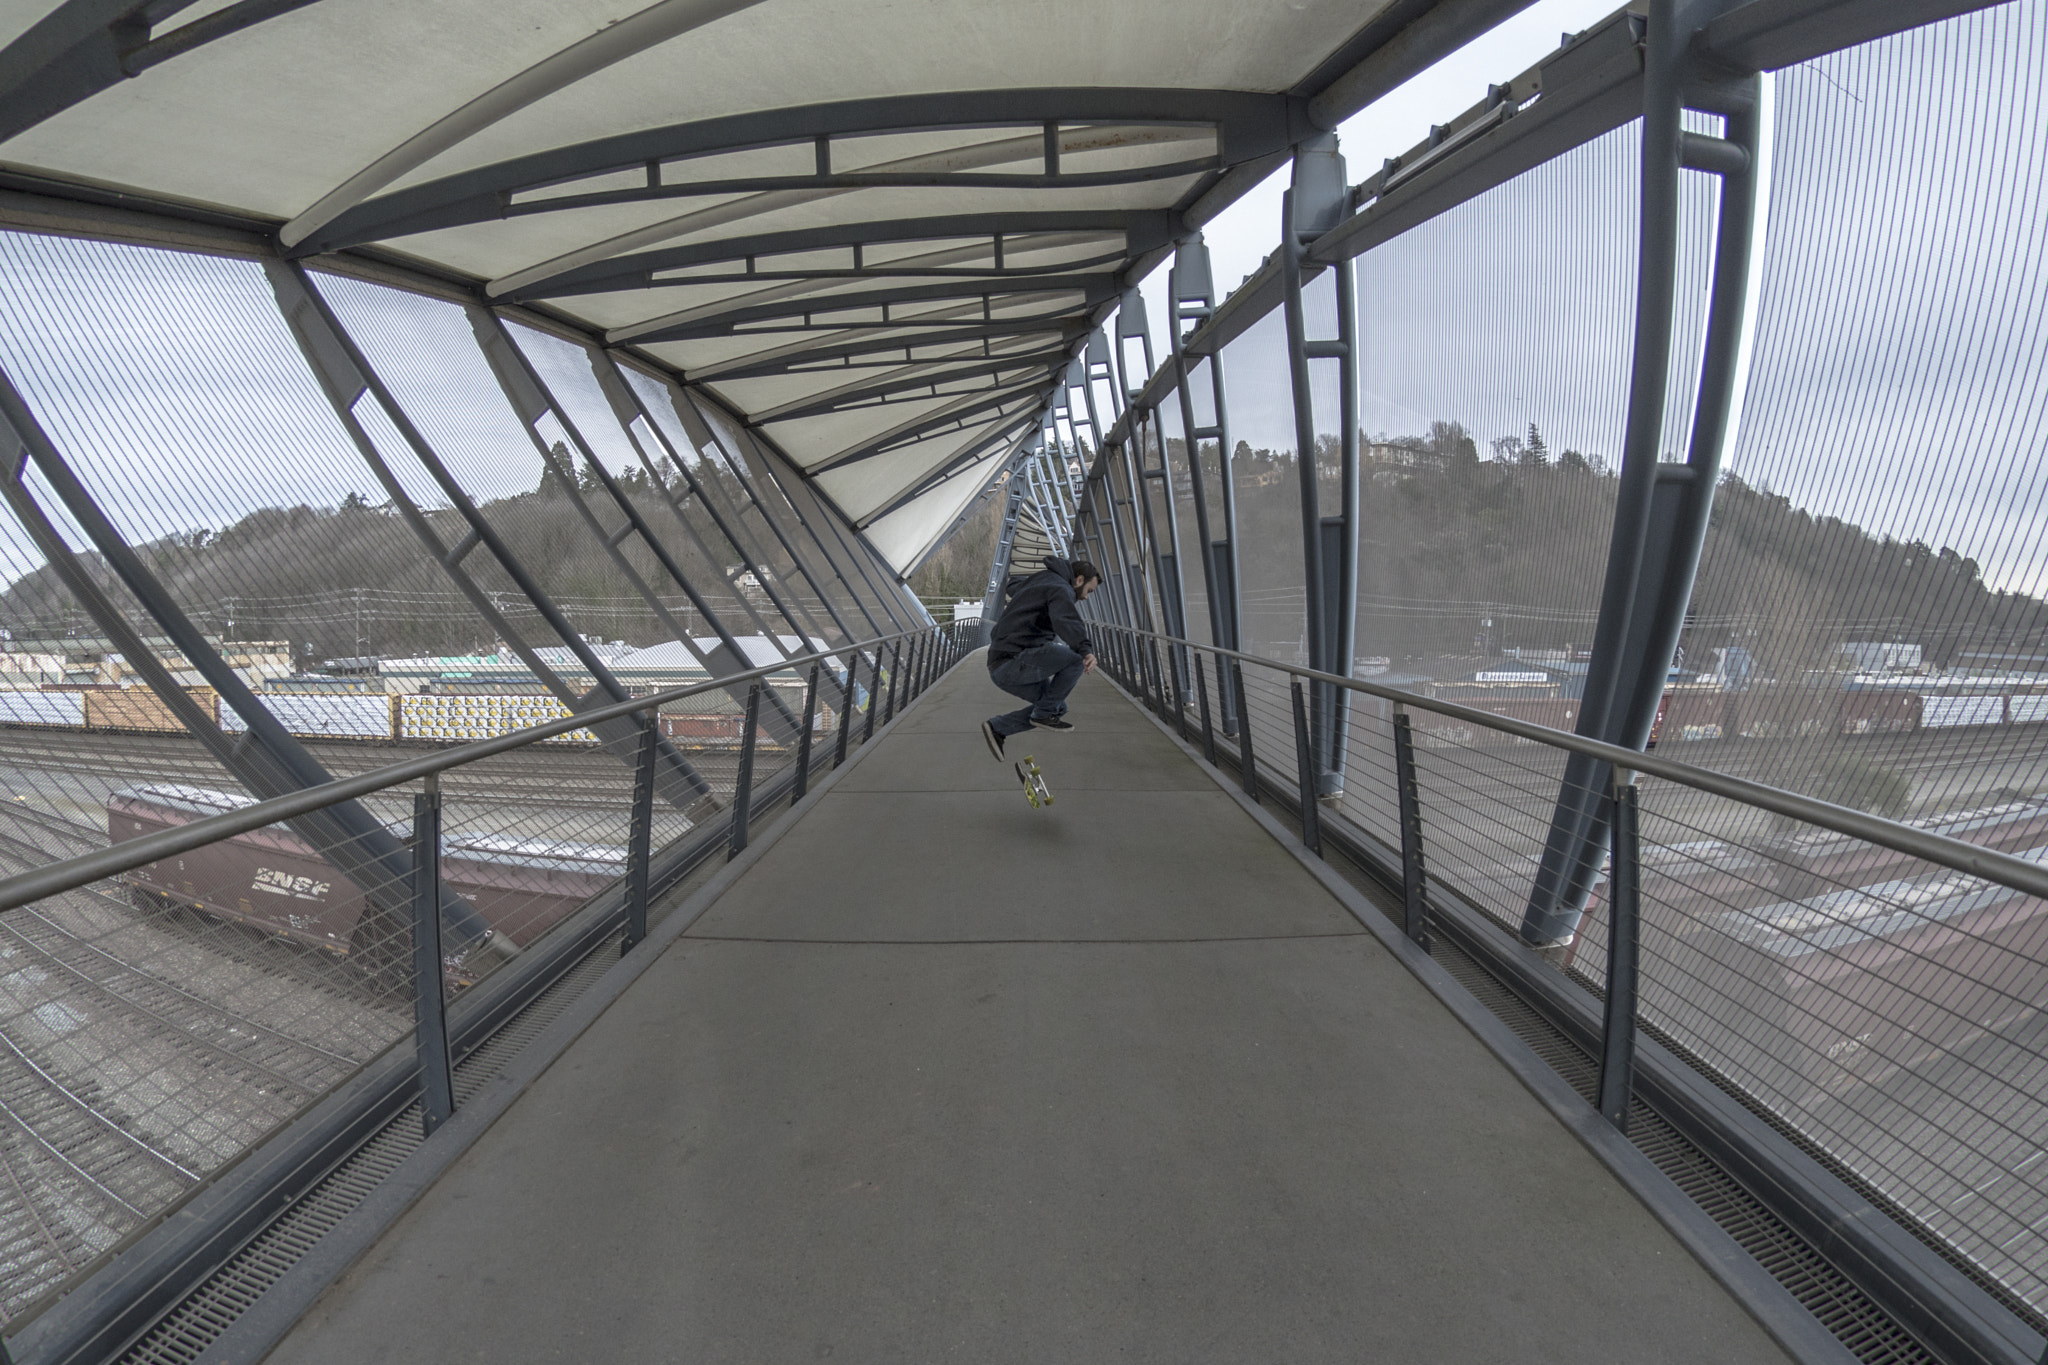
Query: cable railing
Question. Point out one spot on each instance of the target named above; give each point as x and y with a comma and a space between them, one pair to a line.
1869, 986
211, 973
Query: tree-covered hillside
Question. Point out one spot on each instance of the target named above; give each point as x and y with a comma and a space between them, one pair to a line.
1450, 540
354, 579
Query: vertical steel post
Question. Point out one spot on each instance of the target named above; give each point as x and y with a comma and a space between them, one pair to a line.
1624, 932
874, 697
1316, 201
1247, 774
1413, 885
1180, 690
1193, 292
429, 1004
803, 743
743, 790
1311, 825
1202, 696
1224, 551
845, 712
640, 834
895, 679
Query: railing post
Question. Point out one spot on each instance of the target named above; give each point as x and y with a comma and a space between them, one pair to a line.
1624, 922
845, 712
1202, 699
640, 834
1176, 657
743, 791
1311, 826
1416, 913
895, 679
803, 743
1246, 772
874, 697
429, 1005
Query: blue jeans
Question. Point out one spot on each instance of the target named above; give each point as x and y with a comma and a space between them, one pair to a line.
1043, 676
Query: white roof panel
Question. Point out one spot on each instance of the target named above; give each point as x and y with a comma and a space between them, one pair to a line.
630, 166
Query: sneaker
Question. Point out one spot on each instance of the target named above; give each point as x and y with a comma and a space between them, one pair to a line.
1052, 722
995, 741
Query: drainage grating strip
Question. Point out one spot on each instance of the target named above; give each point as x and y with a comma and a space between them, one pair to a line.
1870, 1333
184, 1333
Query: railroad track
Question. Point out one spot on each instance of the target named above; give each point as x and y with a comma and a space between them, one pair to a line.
268, 1060
77, 1169
276, 1059
80, 1177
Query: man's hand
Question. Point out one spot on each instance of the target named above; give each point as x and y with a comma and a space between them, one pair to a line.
1087, 663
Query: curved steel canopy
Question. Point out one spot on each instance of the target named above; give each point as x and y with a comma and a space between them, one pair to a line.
875, 233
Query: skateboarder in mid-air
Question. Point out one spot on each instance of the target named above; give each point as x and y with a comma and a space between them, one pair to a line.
1039, 649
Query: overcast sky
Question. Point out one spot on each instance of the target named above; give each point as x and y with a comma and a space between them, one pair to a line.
1897, 378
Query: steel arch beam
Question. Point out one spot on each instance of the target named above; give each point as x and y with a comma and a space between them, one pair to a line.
929, 375
1249, 125
859, 341
1143, 229
960, 459
1092, 288
918, 429
86, 46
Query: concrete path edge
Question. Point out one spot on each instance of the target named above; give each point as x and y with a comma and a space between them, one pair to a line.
278, 1309
1782, 1316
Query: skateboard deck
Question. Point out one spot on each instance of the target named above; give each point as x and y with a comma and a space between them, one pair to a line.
1035, 790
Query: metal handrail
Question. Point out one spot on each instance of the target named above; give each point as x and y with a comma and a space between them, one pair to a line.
71, 873
1940, 849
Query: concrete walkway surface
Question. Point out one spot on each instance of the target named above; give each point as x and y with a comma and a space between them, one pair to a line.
945, 1078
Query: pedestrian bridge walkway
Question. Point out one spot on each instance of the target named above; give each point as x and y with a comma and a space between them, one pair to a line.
941, 1077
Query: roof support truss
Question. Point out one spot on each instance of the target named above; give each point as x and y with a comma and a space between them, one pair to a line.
1142, 231
1093, 289
1247, 125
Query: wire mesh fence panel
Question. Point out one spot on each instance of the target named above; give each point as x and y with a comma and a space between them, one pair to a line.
1884, 1010
757, 505
1266, 481
154, 1025
831, 564
669, 559
1189, 549
1493, 440
425, 351
1868, 599
172, 387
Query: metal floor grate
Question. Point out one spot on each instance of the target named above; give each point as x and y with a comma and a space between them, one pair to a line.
1872, 1334
184, 1334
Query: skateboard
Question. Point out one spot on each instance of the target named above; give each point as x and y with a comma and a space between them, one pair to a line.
1035, 790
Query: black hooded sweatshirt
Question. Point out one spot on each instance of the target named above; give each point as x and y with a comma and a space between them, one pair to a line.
1040, 611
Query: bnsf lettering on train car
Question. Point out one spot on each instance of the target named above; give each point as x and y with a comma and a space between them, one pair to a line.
285, 884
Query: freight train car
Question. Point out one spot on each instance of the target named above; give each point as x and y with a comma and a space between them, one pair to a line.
272, 880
